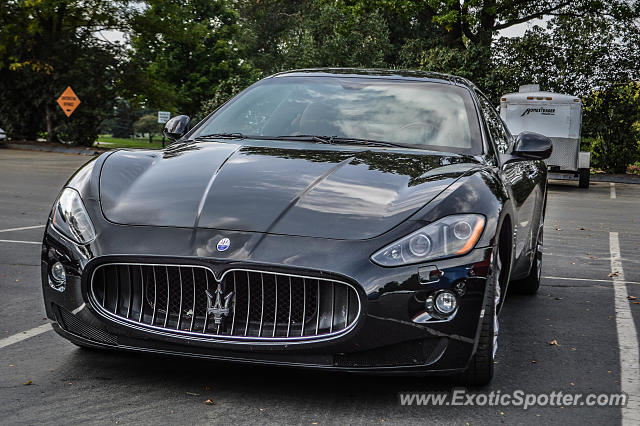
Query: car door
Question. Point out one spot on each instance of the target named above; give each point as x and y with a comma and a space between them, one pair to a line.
521, 178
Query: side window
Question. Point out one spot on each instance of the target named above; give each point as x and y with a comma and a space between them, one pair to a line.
496, 126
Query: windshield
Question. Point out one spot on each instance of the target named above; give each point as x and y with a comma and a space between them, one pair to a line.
427, 115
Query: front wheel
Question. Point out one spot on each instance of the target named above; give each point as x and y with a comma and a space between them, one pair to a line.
531, 283
480, 369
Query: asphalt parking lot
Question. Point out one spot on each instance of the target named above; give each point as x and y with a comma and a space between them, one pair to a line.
579, 334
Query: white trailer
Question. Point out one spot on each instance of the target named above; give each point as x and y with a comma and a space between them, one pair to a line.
556, 116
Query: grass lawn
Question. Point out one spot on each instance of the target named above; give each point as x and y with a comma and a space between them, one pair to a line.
106, 141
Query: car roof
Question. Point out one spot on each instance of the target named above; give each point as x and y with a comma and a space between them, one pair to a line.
392, 74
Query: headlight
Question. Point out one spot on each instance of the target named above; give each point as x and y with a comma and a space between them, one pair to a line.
71, 218
449, 236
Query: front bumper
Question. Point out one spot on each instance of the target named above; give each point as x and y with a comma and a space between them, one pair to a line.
386, 337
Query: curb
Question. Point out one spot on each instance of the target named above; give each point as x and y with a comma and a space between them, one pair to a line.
597, 178
63, 150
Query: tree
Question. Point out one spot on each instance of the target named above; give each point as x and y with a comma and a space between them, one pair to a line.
181, 51
611, 118
121, 125
147, 124
574, 55
284, 35
476, 22
45, 46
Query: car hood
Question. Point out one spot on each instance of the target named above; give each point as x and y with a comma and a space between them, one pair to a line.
281, 187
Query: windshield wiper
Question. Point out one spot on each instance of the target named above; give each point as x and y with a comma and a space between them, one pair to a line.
339, 139
306, 138
368, 142
221, 136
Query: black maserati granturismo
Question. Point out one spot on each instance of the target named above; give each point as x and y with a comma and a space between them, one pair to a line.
357, 220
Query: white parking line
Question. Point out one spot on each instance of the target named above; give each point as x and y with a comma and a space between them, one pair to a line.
591, 279
20, 242
19, 337
22, 228
612, 190
627, 338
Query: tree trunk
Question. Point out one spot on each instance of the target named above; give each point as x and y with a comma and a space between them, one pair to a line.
49, 118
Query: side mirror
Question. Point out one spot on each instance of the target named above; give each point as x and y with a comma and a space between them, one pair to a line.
176, 127
532, 146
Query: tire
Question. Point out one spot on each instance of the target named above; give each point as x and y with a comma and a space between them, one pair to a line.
481, 367
585, 176
531, 283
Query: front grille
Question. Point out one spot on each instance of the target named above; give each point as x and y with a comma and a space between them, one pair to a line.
413, 352
72, 324
242, 305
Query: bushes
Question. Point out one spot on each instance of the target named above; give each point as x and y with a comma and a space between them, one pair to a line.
611, 127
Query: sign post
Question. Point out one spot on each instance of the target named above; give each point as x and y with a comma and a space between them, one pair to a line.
163, 117
68, 101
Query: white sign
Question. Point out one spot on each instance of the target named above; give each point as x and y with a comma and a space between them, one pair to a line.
163, 116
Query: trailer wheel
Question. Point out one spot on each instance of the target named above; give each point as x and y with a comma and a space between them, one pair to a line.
585, 176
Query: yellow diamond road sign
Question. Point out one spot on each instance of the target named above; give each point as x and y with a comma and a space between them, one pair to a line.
68, 101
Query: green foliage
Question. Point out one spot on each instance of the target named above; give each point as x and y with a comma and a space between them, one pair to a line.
281, 35
45, 46
225, 91
634, 169
147, 124
573, 55
181, 52
331, 37
109, 142
121, 125
191, 56
611, 119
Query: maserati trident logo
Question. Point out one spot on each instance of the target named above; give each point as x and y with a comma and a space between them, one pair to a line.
217, 306
223, 244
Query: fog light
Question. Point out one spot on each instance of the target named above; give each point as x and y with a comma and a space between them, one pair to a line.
446, 303
57, 276
441, 304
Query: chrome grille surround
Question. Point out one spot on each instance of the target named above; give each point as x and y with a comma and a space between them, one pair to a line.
267, 307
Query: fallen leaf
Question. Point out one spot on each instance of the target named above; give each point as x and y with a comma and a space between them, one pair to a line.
29, 382
554, 342
573, 349
613, 274
209, 402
